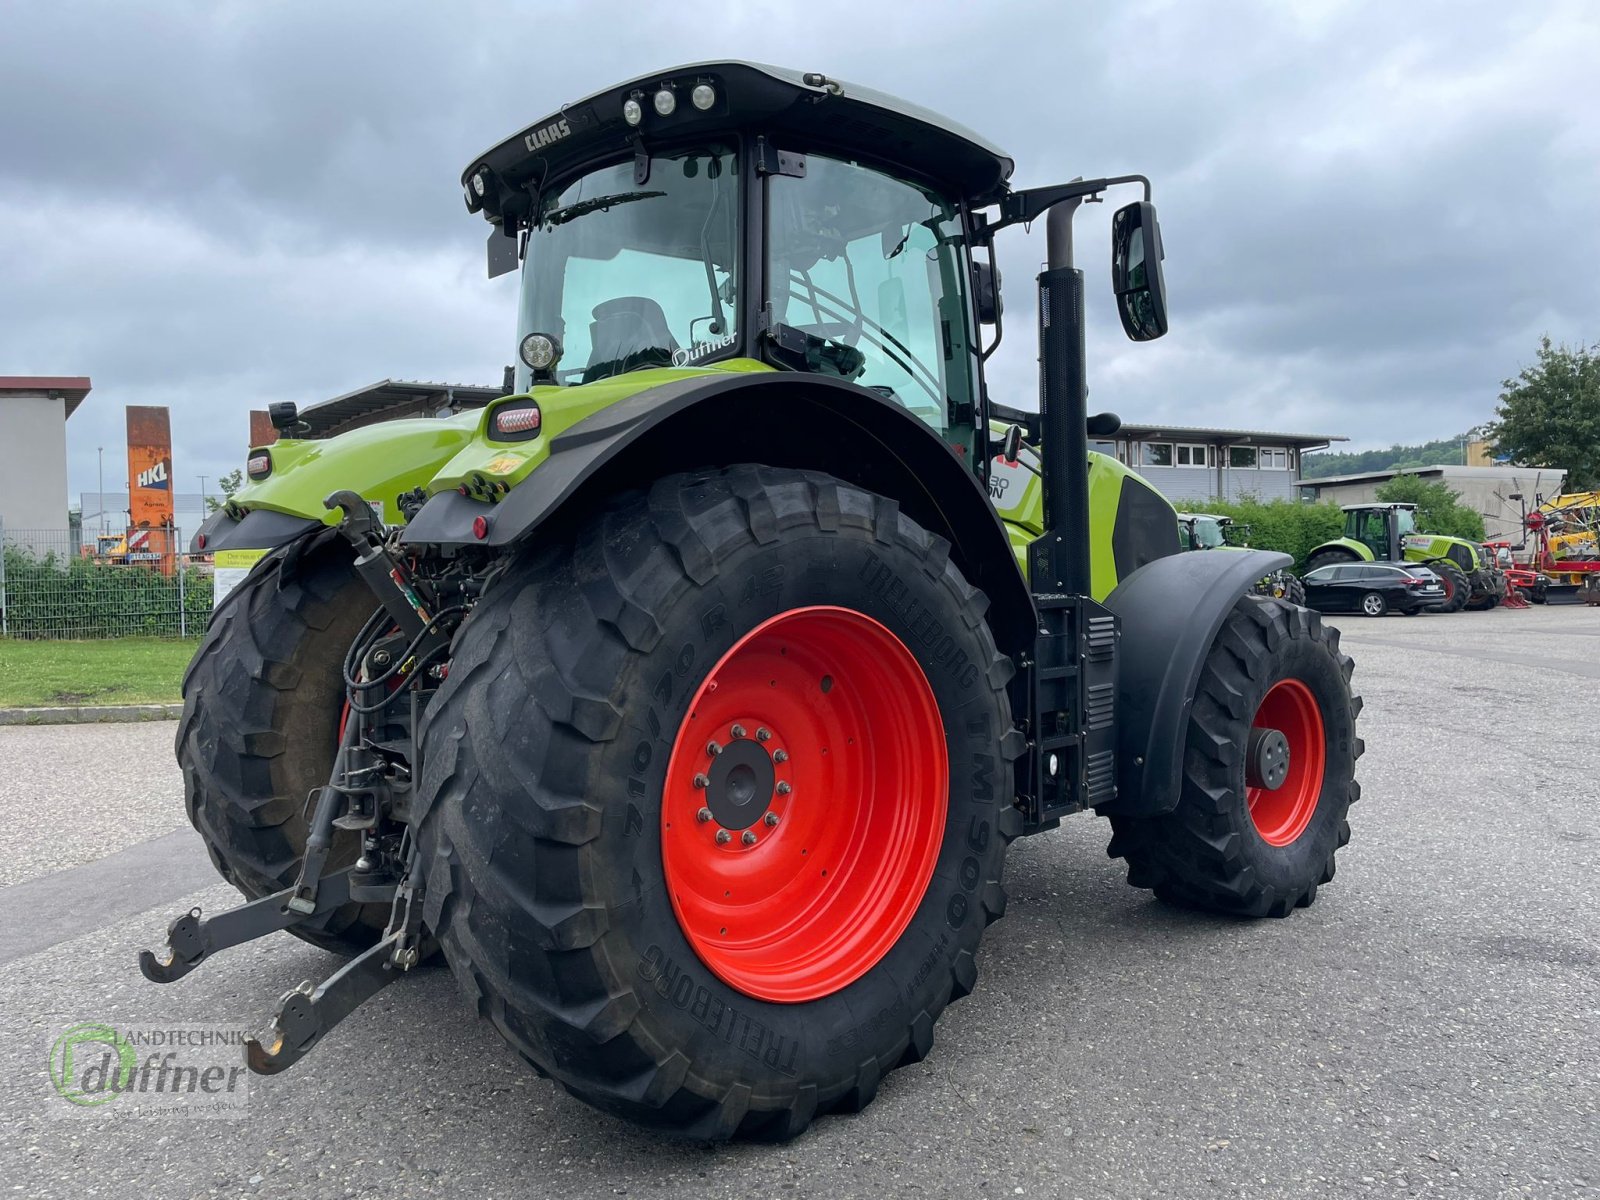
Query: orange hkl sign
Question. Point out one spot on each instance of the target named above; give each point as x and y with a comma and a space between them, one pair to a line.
149, 467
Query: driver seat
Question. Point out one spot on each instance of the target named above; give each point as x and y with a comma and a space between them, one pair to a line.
627, 333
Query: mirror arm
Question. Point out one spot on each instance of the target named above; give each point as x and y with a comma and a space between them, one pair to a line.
1024, 207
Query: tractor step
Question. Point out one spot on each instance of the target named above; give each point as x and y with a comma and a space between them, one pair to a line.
191, 939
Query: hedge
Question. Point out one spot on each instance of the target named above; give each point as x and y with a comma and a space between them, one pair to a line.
1289, 526
54, 597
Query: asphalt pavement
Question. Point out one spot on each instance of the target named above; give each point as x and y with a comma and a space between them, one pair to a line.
1430, 1027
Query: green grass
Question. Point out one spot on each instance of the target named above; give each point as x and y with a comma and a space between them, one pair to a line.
114, 671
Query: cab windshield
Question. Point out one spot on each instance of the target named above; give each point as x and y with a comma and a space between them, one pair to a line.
630, 275
1207, 534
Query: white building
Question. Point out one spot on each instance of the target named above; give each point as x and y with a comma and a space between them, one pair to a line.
1191, 464
33, 458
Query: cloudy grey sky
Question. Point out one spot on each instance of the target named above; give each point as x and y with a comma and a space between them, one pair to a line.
1371, 210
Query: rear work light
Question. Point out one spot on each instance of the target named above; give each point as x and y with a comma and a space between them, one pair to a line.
259, 466
515, 422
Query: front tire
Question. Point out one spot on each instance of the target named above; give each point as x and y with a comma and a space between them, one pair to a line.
1233, 844
1374, 605
573, 810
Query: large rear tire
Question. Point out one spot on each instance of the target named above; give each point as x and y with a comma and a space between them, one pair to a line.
1234, 844
261, 706
1457, 591
683, 922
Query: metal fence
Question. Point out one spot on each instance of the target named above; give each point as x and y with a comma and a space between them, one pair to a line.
54, 585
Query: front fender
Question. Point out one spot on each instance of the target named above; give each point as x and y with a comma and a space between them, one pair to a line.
1170, 611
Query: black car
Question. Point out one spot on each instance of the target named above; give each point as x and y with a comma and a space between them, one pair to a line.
1372, 588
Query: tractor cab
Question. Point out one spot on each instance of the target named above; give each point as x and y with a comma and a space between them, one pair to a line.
1381, 528
733, 216
1202, 531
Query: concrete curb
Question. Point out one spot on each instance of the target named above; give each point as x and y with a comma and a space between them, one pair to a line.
94, 714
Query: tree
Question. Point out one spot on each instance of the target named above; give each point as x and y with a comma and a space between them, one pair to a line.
229, 483
1549, 415
1438, 506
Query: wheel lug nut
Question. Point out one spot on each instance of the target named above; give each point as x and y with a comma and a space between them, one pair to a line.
702, 781
713, 749
771, 819
703, 815
763, 735
780, 756
748, 838
784, 789
737, 731
723, 837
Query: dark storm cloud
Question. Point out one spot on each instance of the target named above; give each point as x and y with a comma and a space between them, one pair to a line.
1371, 210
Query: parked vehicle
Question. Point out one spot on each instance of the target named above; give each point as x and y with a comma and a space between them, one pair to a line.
1372, 588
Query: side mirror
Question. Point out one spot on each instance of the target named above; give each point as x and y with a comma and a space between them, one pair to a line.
1104, 425
1136, 255
1011, 444
986, 292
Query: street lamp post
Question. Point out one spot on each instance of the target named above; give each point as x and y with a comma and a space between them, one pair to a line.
100, 496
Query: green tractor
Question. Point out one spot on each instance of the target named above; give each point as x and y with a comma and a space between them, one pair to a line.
1207, 531
1388, 533
687, 698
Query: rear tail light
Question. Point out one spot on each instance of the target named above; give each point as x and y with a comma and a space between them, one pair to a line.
516, 422
259, 466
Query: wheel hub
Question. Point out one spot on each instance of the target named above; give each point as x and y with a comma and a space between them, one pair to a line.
741, 784
1267, 759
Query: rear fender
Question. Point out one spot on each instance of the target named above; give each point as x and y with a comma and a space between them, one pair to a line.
779, 419
1170, 611
1356, 551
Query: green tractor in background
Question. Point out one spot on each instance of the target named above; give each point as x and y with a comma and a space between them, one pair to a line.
687, 697
1388, 533
1207, 531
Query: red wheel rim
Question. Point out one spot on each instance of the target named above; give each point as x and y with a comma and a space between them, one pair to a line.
829, 799
1282, 814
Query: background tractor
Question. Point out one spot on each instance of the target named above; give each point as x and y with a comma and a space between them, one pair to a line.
1206, 531
688, 697
1388, 533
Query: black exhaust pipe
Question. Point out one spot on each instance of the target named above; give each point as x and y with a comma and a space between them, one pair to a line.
1061, 560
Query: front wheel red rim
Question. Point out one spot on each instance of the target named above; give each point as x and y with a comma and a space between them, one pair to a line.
805, 804
1281, 814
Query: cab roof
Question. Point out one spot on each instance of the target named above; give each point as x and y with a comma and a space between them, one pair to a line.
816, 111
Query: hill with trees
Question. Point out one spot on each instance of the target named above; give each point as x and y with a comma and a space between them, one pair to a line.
1447, 452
